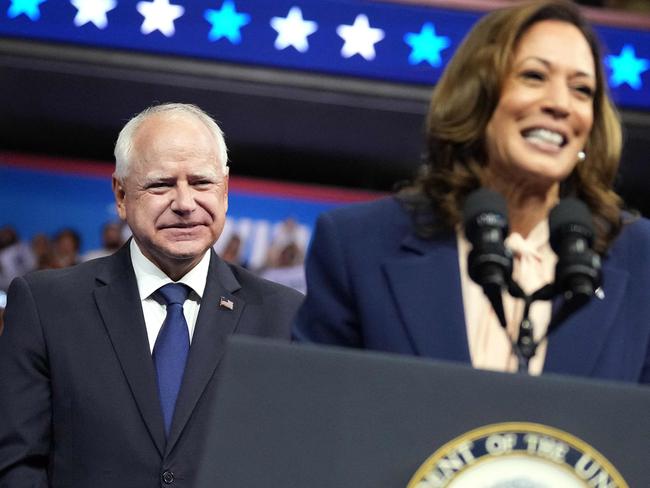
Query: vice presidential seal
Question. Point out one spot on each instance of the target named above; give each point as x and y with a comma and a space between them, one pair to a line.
517, 455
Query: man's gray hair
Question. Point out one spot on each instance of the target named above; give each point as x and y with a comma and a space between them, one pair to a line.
124, 144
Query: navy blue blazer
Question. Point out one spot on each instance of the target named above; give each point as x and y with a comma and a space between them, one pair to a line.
373, 284
79, 403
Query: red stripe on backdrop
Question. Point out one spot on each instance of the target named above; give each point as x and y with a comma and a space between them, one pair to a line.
59, 165
237, 184
299, 191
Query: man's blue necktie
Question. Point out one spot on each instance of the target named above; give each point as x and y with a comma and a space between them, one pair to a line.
171, 349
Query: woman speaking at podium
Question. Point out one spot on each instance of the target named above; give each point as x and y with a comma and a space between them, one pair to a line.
522, 109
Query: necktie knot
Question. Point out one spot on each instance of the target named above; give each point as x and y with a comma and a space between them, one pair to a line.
174, 293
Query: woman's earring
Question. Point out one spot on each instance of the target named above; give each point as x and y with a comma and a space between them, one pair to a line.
582, 155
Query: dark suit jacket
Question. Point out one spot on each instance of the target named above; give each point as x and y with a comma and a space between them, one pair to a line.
79, 403
372, 283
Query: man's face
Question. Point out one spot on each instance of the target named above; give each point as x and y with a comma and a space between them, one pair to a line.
175, 196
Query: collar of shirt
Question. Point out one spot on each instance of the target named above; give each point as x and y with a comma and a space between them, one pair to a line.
536, 245
150, 277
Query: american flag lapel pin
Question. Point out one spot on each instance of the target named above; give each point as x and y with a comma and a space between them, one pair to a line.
225, 303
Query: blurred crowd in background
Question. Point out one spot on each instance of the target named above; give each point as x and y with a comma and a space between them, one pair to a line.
275, 251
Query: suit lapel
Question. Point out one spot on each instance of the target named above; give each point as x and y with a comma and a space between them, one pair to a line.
426, 287
118, 301
214, 324
574, 347
425, 283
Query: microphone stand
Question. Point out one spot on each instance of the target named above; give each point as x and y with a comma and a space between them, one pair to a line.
525, 346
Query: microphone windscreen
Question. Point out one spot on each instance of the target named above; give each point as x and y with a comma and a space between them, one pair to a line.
484, 203
571, 215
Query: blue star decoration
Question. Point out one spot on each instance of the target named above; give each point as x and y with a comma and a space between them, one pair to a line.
426, 45
627, 68
28, 7
226, 22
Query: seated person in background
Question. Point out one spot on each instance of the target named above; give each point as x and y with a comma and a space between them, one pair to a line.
65, 249
42, 250
111, 241
16, 256
286, 255
107, 369
232, 251
285, 234
288, 268
521, 109
8, 236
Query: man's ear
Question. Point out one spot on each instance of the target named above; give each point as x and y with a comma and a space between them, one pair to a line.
119, 192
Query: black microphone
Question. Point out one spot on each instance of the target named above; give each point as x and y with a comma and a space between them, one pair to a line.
490, 262
578, 270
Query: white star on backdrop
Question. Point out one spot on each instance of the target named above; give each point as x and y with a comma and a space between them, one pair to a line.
92, 11
359, 38
159, 15
293, 30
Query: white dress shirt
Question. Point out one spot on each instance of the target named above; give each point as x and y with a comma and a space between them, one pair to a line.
150, 278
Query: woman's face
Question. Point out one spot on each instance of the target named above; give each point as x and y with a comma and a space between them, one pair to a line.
545, 112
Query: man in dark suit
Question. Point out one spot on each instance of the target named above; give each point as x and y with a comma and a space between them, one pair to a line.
93, 392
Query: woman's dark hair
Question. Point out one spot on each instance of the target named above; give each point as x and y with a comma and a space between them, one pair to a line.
463, 102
